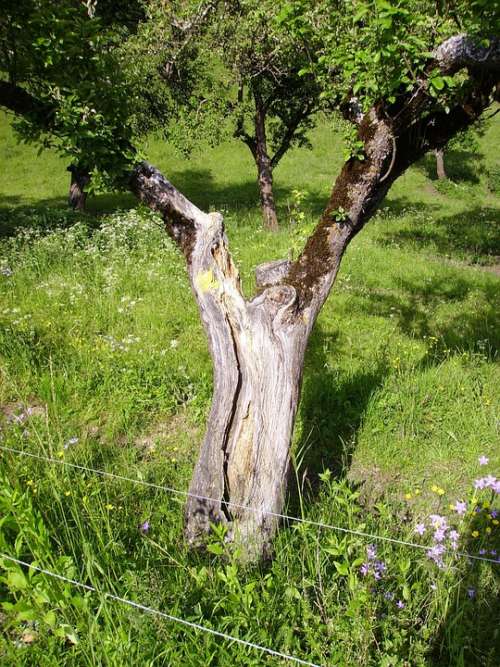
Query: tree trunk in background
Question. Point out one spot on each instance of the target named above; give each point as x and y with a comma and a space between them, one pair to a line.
441, 173
80, 178
264, 169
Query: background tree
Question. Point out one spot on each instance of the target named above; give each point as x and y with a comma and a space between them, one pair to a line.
408, 82
272, 93
61, 77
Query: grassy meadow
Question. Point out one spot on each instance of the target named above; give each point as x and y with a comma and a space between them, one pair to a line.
104, 364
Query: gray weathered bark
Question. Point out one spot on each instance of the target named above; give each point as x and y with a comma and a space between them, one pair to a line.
258, 345
80, 178
441, 171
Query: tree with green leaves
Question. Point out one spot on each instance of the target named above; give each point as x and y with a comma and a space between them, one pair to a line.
61, 77
272, 94
408, 79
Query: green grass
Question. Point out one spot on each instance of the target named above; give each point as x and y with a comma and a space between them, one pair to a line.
99, 334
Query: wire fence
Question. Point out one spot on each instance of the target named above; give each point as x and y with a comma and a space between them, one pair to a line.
162, 614
229, 504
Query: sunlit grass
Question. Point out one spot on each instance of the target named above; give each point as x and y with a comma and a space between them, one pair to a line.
100, 337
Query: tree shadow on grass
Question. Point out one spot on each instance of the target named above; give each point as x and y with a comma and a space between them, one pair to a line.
460, 166
331, 410
474, 232
475, 327
333, 404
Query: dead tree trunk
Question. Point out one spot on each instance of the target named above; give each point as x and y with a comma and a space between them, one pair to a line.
80, 178
258, 345
441, 172
264, 168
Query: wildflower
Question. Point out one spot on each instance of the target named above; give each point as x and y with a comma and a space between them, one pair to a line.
490, 481
60, 453
6, 271
371, 551
440, 491
471, 592
109, 506
488, 530
439, 534
67, 493
70, 442
400, 604
453, 535
435, 553
144, 527
30, 482
483, 460
493, 514
475, 533
438, 521
389, 595
460, 507
174, 343
420, 528
479, 483
408, 496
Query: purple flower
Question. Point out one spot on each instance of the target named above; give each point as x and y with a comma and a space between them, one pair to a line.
371, 551
471, 592
420, 528
483, 460
490, 481
400, 604
389, 595
453, 535
435, 553
144, 527
460, 507
496, 486
364, 569
493, 552
494, 514
438, 521
479, 483
439, 534
482, 552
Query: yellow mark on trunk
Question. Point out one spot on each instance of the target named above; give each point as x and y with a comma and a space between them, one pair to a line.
205, 281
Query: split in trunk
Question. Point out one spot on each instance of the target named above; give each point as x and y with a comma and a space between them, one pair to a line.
258, 345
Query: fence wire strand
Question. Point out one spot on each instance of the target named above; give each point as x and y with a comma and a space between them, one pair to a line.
157, 612
228, 503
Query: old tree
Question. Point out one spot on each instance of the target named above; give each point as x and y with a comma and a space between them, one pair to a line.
408, 75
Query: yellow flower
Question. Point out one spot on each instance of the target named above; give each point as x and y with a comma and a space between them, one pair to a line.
418, 492
67, 493
109, 506
488, 530
495, 522
60, 453
475, 533
434, 488
408, 496
486, 505
30, 482
440, 491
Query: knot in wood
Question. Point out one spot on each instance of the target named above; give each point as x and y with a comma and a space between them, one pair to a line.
272, 273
